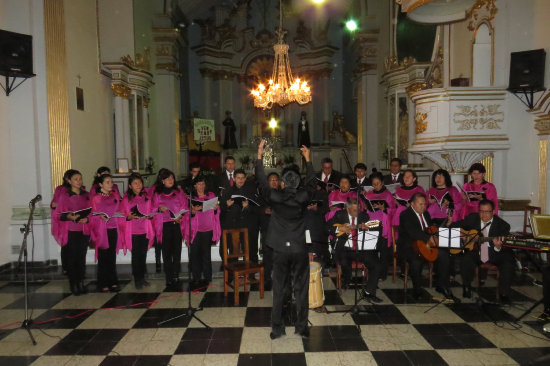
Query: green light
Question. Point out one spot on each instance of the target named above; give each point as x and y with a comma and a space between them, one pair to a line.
351, 25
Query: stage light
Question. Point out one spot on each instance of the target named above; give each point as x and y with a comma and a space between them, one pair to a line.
318, 1
351, 25
273, 123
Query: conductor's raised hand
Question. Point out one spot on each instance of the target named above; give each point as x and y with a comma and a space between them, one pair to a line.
306, 152
261, 146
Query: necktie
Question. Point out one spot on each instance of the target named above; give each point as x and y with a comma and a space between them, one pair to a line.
485, 245
358, 182
354, 234
394, 178
422, 222
326, 179
231, 181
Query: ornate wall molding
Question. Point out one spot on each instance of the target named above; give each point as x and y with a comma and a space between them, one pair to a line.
120, 90
483, 10
478, 117
421, 122
542, 125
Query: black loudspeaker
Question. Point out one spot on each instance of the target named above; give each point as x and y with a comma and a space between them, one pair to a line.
527, 70
15, 54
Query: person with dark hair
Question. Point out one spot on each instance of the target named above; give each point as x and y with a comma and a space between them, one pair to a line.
99, 172
348, 247
106, 230
241, 212
273, 182
409, 186
58, 192
328, 178
286, 235
72, 229
395, 175
488, 224
361, 178
227, 178
477, 190
338, 197
194, 171
169, 200
413, 224
138, 233
442, 197
380, 196
151, 192
205, 232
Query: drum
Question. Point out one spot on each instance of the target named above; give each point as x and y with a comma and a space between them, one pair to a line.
316, 292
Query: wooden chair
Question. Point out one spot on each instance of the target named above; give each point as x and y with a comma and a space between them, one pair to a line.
527, 212
489, 267
431, 271
240, 270
354, 265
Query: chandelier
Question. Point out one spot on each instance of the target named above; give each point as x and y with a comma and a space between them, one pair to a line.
282, 88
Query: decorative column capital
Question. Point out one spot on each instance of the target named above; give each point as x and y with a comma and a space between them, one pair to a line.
120, 90
146, 101
543, 126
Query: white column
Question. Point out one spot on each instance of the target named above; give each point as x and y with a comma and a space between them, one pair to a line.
145, 114
127, 149
119, 127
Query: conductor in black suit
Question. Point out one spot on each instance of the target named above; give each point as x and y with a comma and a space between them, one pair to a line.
348, 247
286, 235
412, 225
488, 225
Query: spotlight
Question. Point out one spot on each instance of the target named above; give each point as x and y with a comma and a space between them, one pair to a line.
273, 123
318, 1
351, 25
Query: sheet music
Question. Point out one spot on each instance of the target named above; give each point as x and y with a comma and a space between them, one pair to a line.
392, 187
371, 239
445, 233
209, 204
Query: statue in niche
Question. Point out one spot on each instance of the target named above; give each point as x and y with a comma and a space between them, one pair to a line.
403, 130
303, 131
229, 141
339, 136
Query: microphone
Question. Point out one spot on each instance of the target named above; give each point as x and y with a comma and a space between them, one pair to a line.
36, 199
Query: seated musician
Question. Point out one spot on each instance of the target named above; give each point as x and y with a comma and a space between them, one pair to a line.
545, 316
413, 223
487, 224
347, 244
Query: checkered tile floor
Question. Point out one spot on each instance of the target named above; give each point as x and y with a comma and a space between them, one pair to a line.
397, 332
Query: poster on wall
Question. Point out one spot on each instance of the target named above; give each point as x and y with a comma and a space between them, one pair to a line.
203, 130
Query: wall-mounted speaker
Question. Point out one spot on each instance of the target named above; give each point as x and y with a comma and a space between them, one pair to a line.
15, 54
527, 71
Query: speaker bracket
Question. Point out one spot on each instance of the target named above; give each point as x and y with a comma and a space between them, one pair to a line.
526, 95
9, 84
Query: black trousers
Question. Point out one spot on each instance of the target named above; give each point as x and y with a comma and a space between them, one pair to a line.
345, 256
158, 251
75, 256
416, 263
504, 260
253, 244
139, 256
171, 249
201, 261
290, 268
64, 257
546, 286
106, 262
386, 258
267, 253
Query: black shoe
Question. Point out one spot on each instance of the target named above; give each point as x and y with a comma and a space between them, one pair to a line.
114, 288
373, 298
82, 288
444, 291
145, 283
304, 333
139, 285
74, 289
275, 334
504, 299
467, 292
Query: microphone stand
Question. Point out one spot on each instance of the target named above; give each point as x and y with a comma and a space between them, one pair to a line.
27, 322
190, 311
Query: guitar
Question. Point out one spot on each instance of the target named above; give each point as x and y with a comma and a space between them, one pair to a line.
428, 250
472, 239
368, 225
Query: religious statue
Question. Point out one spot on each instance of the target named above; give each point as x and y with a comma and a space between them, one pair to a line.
339, 135
229, 141
303, 131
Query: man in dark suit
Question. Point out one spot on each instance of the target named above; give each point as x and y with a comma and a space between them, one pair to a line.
488, 225
412, 224
361, 178
227, 177
194, 171
273, 180
395, 176
328, 177
241, 213
348, 248
286, 235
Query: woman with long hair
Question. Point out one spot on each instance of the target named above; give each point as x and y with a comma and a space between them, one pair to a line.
404, 193
443, 196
